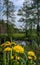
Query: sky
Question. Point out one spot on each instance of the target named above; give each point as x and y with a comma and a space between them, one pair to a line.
18, 4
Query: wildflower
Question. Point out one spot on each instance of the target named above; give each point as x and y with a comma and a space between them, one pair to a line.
7, 49
7, 43
31, 55
17, 63
17, 58
35, 57
18, 49
12, 57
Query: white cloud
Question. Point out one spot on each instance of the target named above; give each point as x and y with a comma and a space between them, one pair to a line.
18, 24
18, 4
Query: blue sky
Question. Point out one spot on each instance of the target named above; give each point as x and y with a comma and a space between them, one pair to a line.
18, 4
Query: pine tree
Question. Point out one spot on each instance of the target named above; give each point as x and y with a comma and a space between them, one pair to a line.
9, 12
36, 7
27, 17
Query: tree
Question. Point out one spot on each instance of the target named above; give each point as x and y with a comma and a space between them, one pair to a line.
27, 16
9, 12
1, 9
36, 7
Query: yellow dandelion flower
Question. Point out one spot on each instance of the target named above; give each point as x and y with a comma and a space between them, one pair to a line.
35, 57
7, 43
7, 49
17, 63
31, 53
18, 49
17, 58
12, 57
29, 57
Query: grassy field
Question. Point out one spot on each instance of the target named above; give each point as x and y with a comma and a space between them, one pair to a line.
14, 36
20, 36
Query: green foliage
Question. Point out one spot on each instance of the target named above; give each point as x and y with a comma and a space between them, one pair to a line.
30, 16
13, 36
9, 12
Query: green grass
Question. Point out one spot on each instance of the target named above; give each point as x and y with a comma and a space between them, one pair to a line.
18, 35
14, 36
